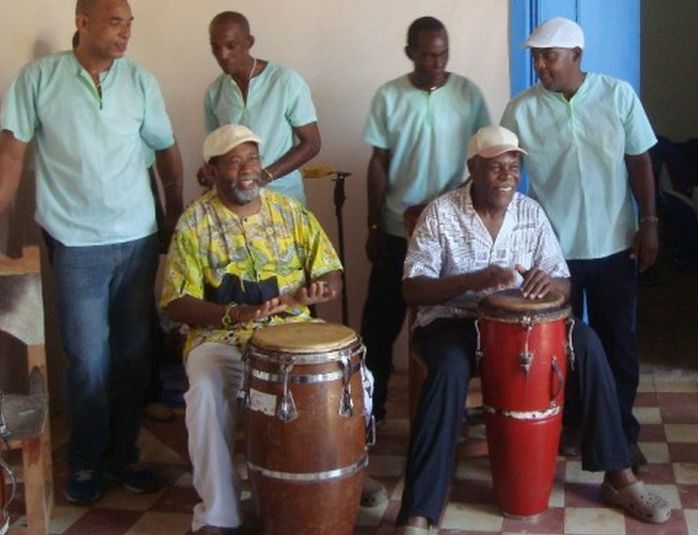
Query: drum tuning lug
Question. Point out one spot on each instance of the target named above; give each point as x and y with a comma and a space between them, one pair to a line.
244, 399
371, 432
525, 361
286, 411
346, 404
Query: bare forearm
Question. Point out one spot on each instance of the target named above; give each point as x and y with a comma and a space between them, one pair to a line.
169, 165
429, 291
302, 152
12, 154
642, 183
196, 312
377, 184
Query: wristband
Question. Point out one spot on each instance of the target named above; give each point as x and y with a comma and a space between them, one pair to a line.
268, 173
649, 219
227, 320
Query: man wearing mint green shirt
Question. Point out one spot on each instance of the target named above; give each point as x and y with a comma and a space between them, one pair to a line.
418, 126
268, 98
587, 137
90, 111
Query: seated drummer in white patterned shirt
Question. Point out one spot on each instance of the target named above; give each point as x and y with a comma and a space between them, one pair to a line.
242, 257
468, 243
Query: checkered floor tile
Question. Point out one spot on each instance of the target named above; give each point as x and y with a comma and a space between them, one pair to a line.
667, 406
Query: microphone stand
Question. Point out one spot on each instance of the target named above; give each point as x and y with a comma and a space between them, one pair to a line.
339, 198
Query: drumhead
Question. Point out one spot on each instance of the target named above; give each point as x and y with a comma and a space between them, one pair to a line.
307, 337
512, 303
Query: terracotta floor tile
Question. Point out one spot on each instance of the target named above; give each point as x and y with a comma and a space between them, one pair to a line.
688, 495
594, 521
176, 500
550, 521
104, 522
652, 433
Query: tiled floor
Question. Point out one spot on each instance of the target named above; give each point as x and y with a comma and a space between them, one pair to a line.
667, 406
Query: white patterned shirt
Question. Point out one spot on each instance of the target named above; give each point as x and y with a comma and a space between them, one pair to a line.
451, 239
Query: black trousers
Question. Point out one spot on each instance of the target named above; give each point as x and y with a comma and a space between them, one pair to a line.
382, 318
610, 287
448, 349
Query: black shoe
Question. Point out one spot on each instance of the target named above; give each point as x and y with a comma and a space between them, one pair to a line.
137, 479
638, 462
84, 487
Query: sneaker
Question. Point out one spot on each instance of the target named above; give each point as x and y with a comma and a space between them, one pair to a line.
83, 487
137, 479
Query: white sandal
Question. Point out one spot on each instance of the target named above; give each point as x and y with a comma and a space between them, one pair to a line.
637, 500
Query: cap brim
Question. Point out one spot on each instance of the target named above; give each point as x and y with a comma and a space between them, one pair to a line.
231, 146
542, 44
497, 150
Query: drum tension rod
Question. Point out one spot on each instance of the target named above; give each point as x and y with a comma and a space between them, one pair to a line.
286, 411
346, 404
526, 357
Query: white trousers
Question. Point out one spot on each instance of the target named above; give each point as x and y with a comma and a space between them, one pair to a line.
215, 373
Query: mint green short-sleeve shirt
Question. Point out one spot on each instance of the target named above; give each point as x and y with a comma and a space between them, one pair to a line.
575, 160
278, 100
92, 182
427, 135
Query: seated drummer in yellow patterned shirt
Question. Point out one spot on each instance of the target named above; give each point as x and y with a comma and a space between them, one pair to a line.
242, 257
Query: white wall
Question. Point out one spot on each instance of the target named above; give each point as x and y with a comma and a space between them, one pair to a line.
344, 49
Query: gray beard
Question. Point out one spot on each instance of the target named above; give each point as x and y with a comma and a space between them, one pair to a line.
245, 197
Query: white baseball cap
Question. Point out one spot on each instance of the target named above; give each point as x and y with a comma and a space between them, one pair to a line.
556, 33
491, 141
225, 138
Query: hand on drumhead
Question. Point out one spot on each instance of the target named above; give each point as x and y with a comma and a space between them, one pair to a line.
536, 283
315, 292
248, 313
498, 277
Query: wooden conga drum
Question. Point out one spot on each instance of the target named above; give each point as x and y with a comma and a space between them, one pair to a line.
306, 444
523, 347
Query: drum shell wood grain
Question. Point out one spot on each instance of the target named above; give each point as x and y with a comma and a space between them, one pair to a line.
318, 441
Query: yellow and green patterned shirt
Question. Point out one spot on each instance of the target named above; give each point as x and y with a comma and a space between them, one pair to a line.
220, 257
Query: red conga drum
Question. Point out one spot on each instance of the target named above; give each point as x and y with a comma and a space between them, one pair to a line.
306, 437
523, 348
